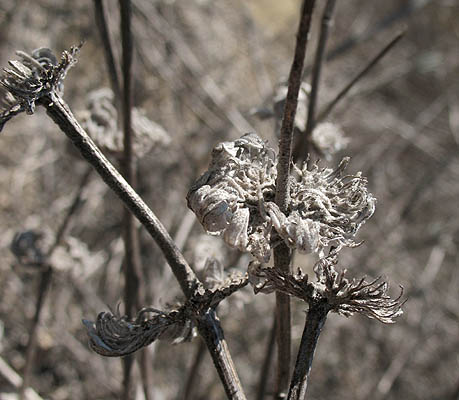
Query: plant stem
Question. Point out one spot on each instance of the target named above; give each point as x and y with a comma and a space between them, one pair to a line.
264, 373
63, 117
282, 256
324, 113
45, 280
191, 384
133, 297
315, 320
301, 149
212, 333
210, 328
101, 21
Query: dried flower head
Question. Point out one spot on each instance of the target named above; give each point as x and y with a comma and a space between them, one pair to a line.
327, 139
33, 77
332, 289
235, 198
100, 120
113, 335
27, 248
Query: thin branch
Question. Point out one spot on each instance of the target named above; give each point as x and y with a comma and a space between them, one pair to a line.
132, 263
315, 320
191, 384
282, 254
264, 372
301, 149
324, 113
212, 333
209, 328
45, 280
70, 212
101, 21
63, 117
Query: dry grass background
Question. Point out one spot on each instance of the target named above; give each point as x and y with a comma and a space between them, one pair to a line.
201, 66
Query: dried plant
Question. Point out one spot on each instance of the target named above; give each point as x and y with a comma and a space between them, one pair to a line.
258, 201
235, 198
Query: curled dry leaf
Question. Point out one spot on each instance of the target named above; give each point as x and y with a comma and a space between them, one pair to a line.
235, 198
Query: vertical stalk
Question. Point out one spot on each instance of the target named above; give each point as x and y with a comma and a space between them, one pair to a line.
210, 328
45, 280
315, 320
132, 262
101, 21
264, 373
191, 384
301, 149
282, 254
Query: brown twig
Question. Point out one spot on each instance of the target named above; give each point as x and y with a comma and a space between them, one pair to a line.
132, 263
282, 256
324, 113
315, 320
264, 373
45, 280
210, 327
301, 149
102, 25
190, 385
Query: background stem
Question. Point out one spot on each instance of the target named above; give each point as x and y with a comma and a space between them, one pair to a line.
282, 254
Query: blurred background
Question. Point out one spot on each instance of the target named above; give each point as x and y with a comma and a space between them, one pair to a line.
201, 69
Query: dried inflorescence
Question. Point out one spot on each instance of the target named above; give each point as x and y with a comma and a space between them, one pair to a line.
349, 296
113, 335
327, 139
332, 289
235, 198
27, 248
31, 78
100, 120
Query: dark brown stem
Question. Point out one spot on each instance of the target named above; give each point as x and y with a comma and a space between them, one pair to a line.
63, 117
324, 113
212, 333
301, 149
265, 368
45, 280
315, 320
191, 384
102, 25
282, 254
132, 262
210, 328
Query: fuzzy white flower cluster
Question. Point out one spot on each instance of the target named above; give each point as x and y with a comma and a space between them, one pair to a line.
235, 198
